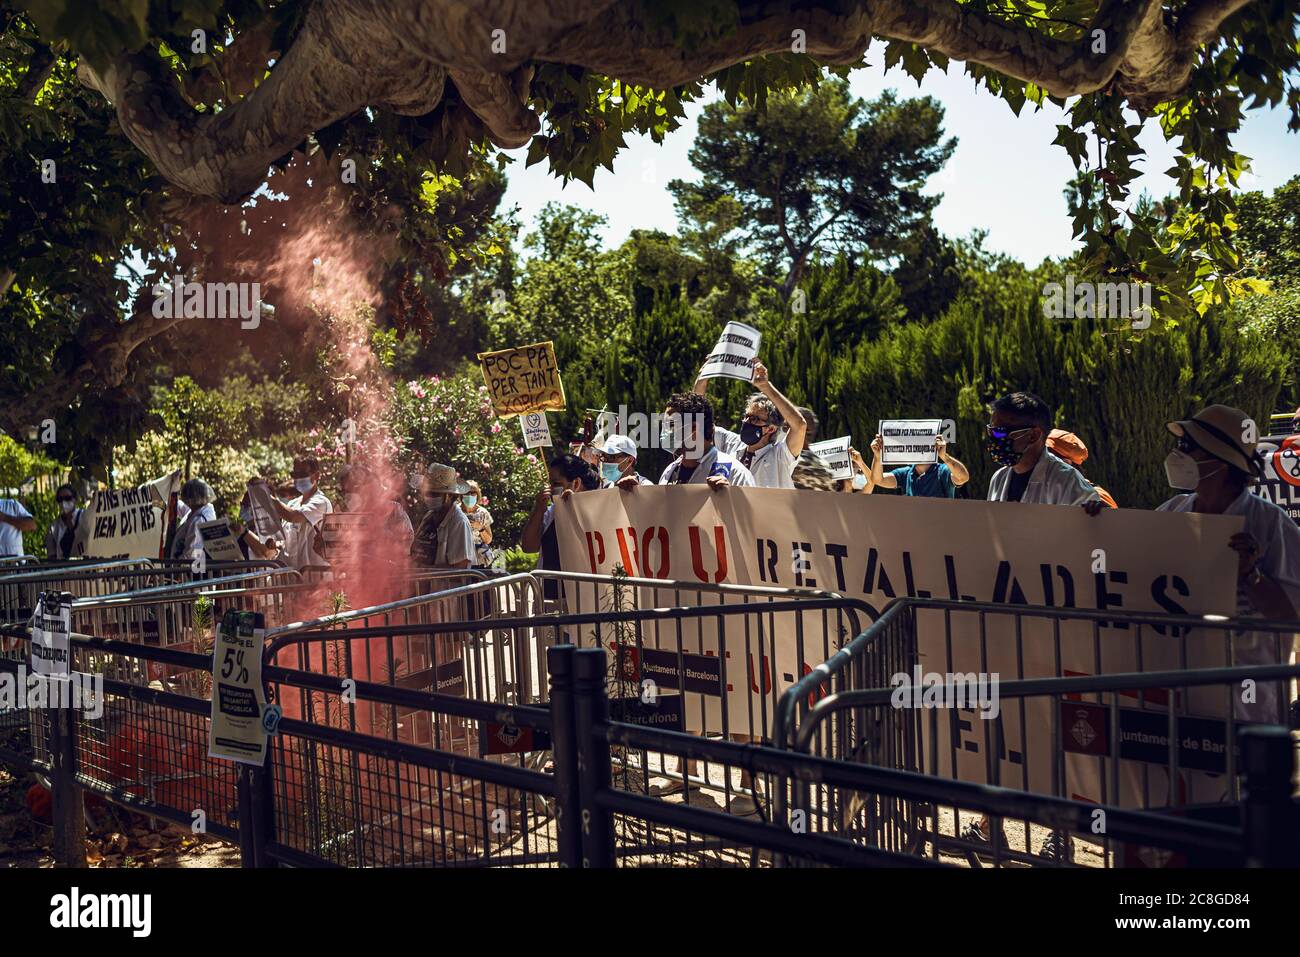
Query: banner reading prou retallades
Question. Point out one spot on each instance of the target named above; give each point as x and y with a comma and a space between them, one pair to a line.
879, 548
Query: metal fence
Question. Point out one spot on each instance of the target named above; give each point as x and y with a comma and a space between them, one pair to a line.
331, 795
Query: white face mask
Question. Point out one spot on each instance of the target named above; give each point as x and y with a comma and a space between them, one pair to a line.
302, 484
67, 506
859, 481
1184, 472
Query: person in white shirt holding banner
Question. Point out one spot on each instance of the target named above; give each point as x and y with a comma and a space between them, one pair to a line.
771, 435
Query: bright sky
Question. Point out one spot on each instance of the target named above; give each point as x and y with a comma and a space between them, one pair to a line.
1005, 175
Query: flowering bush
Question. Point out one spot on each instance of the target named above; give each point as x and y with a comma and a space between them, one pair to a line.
450, 420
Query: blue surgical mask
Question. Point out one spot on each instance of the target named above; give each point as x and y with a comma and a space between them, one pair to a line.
610, 471
859, 481
302, 484
469, 500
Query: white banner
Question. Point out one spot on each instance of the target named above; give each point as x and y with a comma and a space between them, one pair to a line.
877, 549
733, 356
909, 441
1280, 483
835, 452
127, 522
51, 635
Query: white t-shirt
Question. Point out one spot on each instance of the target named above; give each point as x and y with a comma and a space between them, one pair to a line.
714, 462
772, 466
11, 540
1053, 481
300, 538
1279, 558
187, 532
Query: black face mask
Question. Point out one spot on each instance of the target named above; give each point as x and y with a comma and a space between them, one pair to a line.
751, 433
1003, 450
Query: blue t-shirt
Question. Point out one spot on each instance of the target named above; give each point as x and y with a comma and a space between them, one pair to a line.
934, 482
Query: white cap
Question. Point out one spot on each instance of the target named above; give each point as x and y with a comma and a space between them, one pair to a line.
619, 445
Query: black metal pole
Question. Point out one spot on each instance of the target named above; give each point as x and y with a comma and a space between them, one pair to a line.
564, 752
66, 803
1270, 816
590, 708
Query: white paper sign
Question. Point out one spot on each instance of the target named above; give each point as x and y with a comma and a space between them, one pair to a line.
238, 701
909, 441
732, 357
536, 431
219, 541
51, 630
835, 452
261, 504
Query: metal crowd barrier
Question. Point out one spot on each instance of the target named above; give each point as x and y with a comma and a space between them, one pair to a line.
336, 796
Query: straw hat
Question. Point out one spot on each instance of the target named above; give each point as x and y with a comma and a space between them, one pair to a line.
443, 480
1218, 430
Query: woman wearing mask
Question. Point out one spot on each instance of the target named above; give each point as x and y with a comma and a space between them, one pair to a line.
1213, 466
197, 496
303, 515
861, 481
480, 524
569, 474
444, 538
63, 530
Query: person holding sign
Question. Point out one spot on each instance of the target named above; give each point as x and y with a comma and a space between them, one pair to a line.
924, 480
303, 515
1212, 466
197, 496
568, 474
618, 461
688, 432
771, 434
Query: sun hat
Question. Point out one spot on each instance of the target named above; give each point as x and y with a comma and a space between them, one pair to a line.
443, 480
1219, 430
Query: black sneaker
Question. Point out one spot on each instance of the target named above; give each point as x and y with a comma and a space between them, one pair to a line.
1058, 848
973, 834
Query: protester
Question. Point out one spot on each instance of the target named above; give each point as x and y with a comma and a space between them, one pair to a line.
1212, 466
862, 481
771, 435
197, 496
364, 492
1070, 447
62, 535
444, 538
687, 432
14, 521
480, 524
618, 461
250, 544
569, 474
939, 479
303, 515
1018, 427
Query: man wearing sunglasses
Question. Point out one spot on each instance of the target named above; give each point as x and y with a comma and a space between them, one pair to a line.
1019, 424
771, 435
1212, 464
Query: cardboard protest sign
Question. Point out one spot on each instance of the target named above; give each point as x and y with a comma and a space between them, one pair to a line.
524, 379
219, 542
1280, 483
877, 549
51, 635
537, 432
127, 522
909, 441
238, 701
733, 356
835, 452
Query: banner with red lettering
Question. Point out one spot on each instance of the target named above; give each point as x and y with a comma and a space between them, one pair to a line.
879, 547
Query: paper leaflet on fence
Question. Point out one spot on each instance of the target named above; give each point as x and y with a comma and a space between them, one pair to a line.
52, 634
238, 700
876, 549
